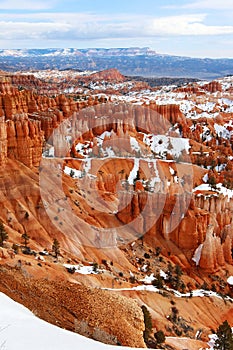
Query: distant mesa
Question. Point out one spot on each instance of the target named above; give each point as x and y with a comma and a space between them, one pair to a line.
130, 61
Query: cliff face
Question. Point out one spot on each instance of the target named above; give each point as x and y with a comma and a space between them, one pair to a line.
28, 119
25, 141
169, 211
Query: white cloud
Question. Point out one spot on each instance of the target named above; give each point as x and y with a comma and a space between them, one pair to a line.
87, 26
187, 25
210, 4
25, 5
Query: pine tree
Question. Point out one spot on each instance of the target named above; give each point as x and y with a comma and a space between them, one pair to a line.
212, 182
56, 247
72, 173
225, 338
178, 272
158, 281
25, 239
3, 234
148, 323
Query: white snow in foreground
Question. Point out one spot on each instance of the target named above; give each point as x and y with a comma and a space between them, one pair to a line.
20, 329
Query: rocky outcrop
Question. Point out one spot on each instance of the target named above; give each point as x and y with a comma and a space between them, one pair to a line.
5, 85
169, 111
95, 313
3, 142
25, 141
112, 75
213, 86
212, 256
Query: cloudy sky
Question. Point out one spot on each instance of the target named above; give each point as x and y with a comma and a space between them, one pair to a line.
198, 28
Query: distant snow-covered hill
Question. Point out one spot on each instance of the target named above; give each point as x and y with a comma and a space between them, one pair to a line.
130, 61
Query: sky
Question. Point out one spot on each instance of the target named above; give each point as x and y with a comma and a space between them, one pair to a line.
196, 28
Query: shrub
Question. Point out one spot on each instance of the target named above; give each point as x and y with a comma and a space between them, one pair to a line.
158, 281
95, 267
174, 314
71, 270
3, 234
160, 337
157, 251
15, 247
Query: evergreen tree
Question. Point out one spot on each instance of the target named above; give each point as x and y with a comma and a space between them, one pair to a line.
158, 281
25, 239
212, 182
148, 323
72, 173
3, 234
225, 338
178, 272
169, 272
56, 247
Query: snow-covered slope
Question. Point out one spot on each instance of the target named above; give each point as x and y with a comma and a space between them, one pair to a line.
20, 329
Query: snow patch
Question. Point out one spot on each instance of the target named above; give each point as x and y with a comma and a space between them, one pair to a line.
83, 270
205, 177
148, 279
134, 144
162, 144
230, 280
134, 171
197, 255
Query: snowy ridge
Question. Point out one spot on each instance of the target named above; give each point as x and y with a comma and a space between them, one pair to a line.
22, 330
